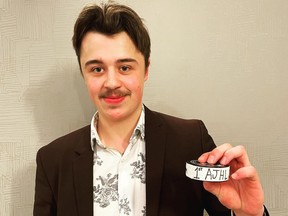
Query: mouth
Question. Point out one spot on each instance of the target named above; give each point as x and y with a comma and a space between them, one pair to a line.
114, 97
114, 100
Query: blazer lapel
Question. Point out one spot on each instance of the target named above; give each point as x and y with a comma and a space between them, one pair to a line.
83, 175
155, 139
155, 150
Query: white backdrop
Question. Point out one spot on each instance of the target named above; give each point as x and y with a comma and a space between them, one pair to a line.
224, 62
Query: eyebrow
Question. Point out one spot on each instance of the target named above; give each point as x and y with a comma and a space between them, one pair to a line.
97, 61
126, 60
94, 61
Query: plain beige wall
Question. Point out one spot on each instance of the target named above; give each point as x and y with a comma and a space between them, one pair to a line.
224, 62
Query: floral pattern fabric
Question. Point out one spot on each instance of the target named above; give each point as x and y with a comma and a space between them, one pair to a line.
119, 181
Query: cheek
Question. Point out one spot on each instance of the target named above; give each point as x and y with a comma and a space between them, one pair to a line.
135, 83
92, 88
135, 86
138, 91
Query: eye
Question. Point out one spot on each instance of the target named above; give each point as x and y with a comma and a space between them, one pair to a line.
124, 68
97, 69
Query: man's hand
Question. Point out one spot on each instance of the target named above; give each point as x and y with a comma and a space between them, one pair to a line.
243, 192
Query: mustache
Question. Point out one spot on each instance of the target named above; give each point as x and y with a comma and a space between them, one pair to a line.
114, 93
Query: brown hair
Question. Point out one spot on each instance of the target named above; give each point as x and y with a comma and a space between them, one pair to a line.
110, 19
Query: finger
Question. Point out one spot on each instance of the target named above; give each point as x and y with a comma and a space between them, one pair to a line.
203, 158
217, 153
212, 187
245, 172
239, 153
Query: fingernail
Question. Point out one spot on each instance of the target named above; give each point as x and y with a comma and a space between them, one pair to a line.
234, 176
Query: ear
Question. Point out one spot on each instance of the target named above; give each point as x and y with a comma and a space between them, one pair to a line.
147, 70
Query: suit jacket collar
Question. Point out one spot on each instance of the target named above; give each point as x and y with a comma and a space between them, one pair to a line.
155, 139
83, 174
155, 151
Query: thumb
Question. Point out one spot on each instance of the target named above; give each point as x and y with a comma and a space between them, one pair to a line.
226, 196
213, 188
248, 172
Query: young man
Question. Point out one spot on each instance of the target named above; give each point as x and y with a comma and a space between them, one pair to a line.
131, 160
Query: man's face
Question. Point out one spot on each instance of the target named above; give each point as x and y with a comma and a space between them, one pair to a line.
114, 72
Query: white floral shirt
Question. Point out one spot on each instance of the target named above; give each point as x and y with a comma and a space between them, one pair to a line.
119, 181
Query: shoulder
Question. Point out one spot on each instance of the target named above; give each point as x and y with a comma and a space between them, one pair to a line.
179, 129
189, 127
184, 139
176, 120
67, 142
173, 121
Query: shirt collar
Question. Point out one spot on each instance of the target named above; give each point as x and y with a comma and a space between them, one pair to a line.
139, 129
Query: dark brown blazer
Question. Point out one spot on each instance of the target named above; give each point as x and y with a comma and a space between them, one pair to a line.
64, 178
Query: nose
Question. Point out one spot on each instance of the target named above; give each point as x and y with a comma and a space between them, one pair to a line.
112, 79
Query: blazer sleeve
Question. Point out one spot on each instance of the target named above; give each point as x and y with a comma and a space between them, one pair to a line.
207, 141
44, 203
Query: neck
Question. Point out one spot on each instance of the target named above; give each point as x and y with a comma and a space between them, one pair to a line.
116, 134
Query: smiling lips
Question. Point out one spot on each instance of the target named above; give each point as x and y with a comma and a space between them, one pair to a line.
114, 96
114, 99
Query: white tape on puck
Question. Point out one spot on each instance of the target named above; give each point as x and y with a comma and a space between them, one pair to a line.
207, 172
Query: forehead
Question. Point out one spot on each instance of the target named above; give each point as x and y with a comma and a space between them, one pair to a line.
108, 48
99, 42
